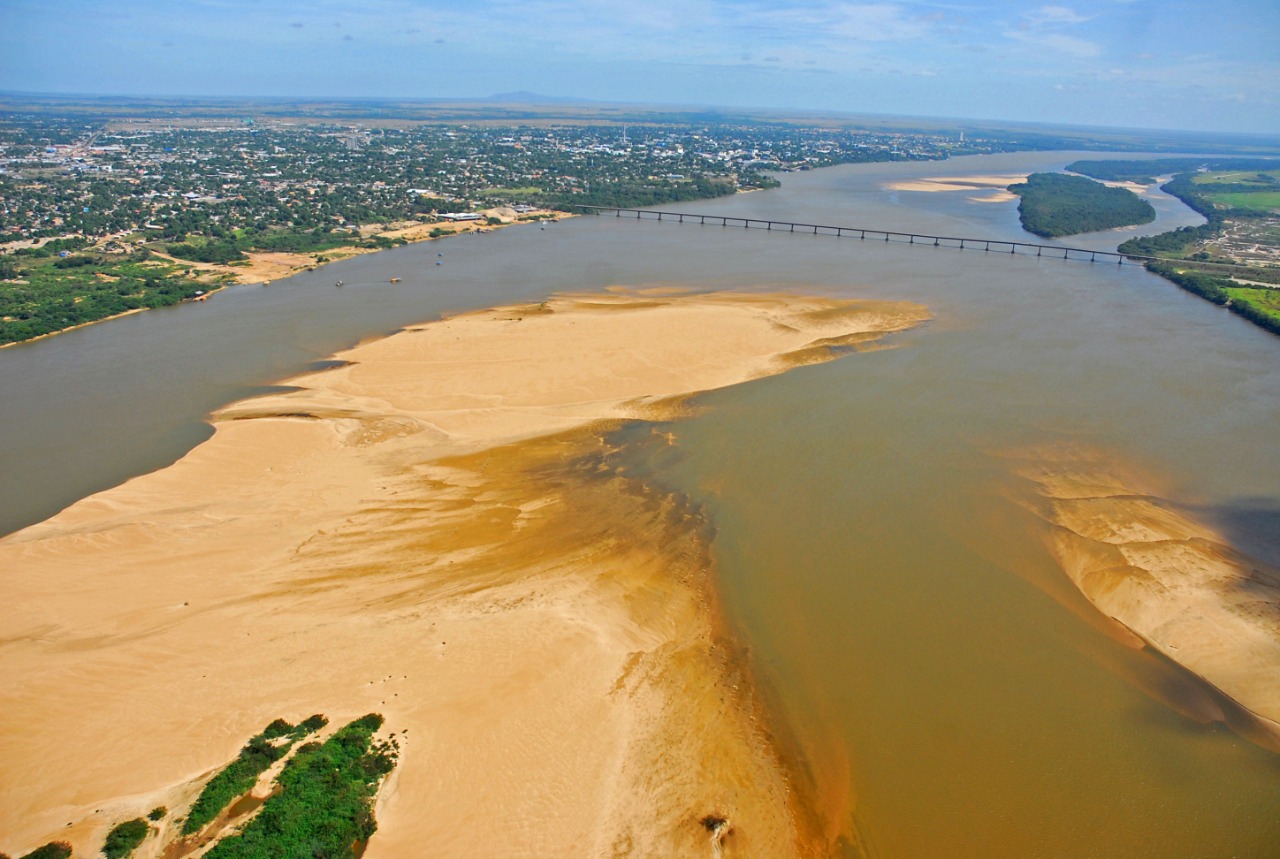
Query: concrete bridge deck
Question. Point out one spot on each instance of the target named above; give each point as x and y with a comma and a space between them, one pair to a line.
961, 243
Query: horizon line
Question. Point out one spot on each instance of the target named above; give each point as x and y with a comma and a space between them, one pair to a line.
534, 99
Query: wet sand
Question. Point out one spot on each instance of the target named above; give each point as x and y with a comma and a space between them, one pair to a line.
437, 531
1174, 583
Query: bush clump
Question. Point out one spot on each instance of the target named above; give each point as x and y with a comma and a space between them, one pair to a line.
52, 850
125, 838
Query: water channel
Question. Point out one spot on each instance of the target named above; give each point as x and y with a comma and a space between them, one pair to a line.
901, 609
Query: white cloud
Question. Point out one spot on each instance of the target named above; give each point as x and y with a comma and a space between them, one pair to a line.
850, 22
1069, 45
1057, 15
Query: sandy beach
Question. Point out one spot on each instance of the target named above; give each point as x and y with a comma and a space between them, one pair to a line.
1173, 582
439, 531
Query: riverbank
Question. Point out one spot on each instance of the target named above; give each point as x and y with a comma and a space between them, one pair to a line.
265, 266
437, 531
198, 281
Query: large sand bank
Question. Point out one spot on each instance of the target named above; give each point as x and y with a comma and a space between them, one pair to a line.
985, 189
1174, 582
438, 531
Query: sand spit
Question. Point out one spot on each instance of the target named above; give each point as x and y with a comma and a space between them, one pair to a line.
438, 531
1170, 580
991, 189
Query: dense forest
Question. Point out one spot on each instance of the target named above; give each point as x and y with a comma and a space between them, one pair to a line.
1054, 204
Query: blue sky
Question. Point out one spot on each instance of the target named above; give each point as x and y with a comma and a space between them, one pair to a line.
1149, 63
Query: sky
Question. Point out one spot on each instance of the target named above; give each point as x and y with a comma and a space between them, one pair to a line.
1183, 64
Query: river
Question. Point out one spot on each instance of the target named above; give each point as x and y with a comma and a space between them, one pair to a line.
901, 609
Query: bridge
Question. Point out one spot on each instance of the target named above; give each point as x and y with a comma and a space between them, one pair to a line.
986, 245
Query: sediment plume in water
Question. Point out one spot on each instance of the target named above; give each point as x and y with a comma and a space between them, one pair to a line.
1170, 580
438, 531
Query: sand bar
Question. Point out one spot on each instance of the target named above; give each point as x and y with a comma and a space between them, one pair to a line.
441, 532
1177, 584
990, 189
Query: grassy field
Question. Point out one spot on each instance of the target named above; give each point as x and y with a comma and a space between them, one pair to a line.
1249, 177
1259, 296
1257, 201
530, 191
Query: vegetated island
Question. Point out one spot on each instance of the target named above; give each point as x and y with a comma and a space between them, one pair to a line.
1055, 204
442, 530
1233, 259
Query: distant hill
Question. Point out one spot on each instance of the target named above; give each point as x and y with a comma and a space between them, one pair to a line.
523, 96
